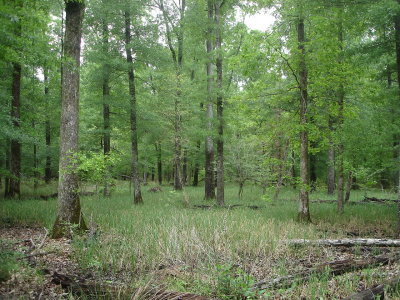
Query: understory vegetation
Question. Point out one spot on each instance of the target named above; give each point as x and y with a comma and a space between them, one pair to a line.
174, 241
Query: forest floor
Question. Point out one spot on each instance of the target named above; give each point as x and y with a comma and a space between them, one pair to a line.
178, 242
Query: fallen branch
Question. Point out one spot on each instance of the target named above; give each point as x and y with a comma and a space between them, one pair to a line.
347, 242
227, 206
378, 200
79, 287
376, 292
333, 268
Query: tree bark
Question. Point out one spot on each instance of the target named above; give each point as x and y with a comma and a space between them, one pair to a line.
220, 107
376, 292
349, 186
137, 198
47, 169
106, 111
313, 170
7, 165
35, 164
334, 268
331, 162
159, 162
196, 167
209, 188
340, 157
347, 242
69, 209
15, 157
397, 39
304, 210
184, 167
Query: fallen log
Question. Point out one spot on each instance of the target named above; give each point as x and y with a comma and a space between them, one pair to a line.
80, 287
47, 197
378, 200
375, 292
227, 206
333, 268
347, 203
347, 242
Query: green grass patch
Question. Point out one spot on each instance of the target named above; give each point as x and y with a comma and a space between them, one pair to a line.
165, 234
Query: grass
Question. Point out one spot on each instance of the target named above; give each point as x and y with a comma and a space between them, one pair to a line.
194, 250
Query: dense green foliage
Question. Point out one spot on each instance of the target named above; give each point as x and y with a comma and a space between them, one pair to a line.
260, 89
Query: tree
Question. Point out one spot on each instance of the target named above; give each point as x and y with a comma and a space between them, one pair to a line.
209, 190
15, 154
106, 105
220, 107
304, 210
177, 58
137, 199
69, 209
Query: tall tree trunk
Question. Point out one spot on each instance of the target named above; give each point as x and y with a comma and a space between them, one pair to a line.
209, 189
293, 171
15, 158
152, 173
184, 167
69, 209
178, 118
159, 163
7, 165
349, 186
47, 168
137, 198
177, 58
35, 163
220, 107
106, 112
313, 170
331, 161
304, 210
397, 39
196, 166
340, 169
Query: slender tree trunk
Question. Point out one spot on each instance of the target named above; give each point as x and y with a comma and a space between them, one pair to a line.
331, 162
397, 39
152, 174
159, 163
69, 209
220, 107
340, 158
145, 175
349, 186
15, 158
304, 210
313, 170
7, 163
209, 189
177, 58
47, 168
240, 192
293, 171
106, 112
35, 163
184, 167
196, 167
137, 198
178, 118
